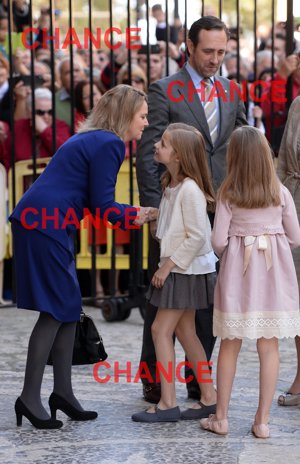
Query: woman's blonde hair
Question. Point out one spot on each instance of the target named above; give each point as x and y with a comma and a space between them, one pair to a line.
251, 180
136, 72
189, 147
115, 110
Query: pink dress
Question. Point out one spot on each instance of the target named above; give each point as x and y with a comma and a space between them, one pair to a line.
256, 293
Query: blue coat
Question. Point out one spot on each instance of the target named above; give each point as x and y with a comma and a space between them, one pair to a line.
81, 175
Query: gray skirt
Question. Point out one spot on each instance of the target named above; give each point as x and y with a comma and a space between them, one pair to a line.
183, 291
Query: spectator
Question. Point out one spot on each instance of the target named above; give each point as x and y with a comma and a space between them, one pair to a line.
155, 60
264, 64
4, 90
276, 114
162, 33
138, 77
82, 100
16, 38
231, 63
279, 46
4, 72
100, 59
43, 126
63, 97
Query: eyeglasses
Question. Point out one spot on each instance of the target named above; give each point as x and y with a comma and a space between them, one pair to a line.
43, 112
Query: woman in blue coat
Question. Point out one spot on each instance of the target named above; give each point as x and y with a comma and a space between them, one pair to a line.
80, 178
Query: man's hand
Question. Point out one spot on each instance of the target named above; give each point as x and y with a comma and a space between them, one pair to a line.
21, 91
40, 124
287, 66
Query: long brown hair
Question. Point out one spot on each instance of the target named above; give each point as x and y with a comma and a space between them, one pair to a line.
251, 180
115, 110
188, 144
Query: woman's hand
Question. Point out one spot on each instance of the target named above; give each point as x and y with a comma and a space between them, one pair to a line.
162, 273
145, 214
40, 124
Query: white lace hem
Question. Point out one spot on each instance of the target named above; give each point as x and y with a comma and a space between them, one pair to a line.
255, 325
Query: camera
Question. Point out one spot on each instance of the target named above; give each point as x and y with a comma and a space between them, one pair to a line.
38, 80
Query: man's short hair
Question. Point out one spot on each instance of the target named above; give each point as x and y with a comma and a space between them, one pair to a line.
208, 23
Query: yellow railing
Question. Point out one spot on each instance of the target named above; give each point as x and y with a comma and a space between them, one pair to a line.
23, 178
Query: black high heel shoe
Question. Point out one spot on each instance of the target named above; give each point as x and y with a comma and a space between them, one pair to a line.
22, 410
57, 402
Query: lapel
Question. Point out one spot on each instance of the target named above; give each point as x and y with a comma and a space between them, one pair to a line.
192, 102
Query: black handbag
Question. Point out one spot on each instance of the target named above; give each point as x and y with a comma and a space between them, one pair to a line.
88, 344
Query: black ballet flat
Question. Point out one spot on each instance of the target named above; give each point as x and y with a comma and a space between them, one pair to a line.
22, 410
57, 402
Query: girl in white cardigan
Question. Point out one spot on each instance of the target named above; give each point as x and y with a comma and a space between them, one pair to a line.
186, 276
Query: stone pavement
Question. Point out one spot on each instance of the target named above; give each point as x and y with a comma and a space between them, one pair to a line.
113, 438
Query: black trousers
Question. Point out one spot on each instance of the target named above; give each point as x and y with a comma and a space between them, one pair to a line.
204, 322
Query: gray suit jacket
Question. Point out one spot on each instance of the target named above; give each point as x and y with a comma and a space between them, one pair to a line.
164, 111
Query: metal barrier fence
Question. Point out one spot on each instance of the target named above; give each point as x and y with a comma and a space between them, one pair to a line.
67, 31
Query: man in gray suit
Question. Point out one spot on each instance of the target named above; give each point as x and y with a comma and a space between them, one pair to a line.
179, 98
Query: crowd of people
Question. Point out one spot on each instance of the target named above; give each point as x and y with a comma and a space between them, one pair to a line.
218, 215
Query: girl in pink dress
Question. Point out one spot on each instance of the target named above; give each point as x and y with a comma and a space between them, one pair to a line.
256, 294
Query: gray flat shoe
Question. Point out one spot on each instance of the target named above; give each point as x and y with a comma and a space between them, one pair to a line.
201, 413
289, 399
160, 415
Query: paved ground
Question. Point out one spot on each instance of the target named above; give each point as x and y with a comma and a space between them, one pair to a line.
113, 438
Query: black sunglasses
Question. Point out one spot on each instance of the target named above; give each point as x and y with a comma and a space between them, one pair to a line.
43, 112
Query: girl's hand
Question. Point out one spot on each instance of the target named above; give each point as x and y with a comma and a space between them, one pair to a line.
146, 214
142, 216
153, 228
162, 273
152, 213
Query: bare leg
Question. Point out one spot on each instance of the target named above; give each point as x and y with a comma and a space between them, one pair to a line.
295, 387
39, 347
268, 374
227, 359
163, 329
186, 334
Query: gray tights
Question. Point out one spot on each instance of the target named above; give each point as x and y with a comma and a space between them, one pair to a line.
47, 334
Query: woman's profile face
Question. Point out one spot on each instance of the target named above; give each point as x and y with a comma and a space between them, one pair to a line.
86, 96
138, 124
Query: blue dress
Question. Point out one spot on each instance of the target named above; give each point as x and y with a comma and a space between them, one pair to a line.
80, 178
